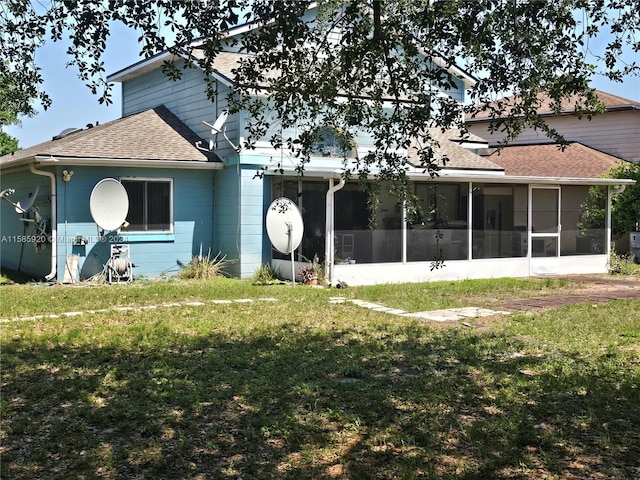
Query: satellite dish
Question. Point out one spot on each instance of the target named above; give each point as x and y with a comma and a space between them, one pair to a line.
219, 123
26, 202
66, 132
109, 204
285, 228
284, 225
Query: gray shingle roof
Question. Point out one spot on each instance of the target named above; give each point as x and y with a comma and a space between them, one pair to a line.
568, 105
547, 160
459, 157
155, 134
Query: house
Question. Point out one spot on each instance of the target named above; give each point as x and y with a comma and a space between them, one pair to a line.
170, 188
616, 131
595, 142
476, 219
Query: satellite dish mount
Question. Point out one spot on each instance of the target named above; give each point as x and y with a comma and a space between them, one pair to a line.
218, 127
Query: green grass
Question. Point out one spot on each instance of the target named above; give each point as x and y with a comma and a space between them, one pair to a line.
300, 388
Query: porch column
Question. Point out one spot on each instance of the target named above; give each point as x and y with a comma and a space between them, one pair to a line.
329, 243
610, 194
403, 226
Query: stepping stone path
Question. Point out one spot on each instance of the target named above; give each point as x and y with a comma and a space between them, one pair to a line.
136, 309
448, 315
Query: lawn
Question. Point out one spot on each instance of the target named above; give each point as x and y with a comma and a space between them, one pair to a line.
290, 385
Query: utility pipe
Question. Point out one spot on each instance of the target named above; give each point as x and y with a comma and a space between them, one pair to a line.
329, 244
54, 221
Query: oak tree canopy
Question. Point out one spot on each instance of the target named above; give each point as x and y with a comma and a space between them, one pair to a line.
371, 66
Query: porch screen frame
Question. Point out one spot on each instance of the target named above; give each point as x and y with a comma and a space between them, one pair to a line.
557, 234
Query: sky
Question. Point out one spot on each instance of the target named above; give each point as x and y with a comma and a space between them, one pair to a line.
75, 106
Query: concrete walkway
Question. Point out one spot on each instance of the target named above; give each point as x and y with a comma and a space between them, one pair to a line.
589, 288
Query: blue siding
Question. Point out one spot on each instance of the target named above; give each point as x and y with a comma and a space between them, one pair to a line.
226, 226
186, 98
241, 202
253, 209
192, 217
15, 252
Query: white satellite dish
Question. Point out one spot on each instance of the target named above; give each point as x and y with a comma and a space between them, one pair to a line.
109, 204
26, 202
285, 227
219, 123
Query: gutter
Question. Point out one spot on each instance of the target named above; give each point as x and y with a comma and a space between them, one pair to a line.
329, 244
128, 162
54, 221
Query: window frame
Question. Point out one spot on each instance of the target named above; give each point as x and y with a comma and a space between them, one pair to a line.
146, 180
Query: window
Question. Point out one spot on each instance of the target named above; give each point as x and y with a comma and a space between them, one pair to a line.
332, 142
150, 204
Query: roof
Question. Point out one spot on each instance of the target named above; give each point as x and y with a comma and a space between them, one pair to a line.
547, 160
155, 134
568, 105
459, 158
225, 61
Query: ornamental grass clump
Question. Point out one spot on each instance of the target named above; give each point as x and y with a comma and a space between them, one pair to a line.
267, 275
204, 267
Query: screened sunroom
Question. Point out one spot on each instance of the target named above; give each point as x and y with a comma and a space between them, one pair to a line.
478, 226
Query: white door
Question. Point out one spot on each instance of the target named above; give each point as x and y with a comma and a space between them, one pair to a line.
544, 230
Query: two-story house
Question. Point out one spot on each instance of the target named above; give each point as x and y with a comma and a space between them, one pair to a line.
147, 184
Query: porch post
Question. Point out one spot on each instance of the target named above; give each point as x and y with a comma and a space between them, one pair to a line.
470, 221
329, 242
608, 223
403, 226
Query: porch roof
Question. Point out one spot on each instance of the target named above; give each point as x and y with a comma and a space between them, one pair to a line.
419, 175
459, 157
550, 161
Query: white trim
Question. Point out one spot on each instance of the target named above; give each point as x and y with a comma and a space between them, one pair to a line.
140, 67
128, 162
544, 265
449, 175
467, 79
153, 63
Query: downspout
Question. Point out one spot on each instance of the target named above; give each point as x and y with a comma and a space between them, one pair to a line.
329, 244
54, 221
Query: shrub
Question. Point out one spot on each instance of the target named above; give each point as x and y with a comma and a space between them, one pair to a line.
266, 275
312, 273
204, 267
623, 265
